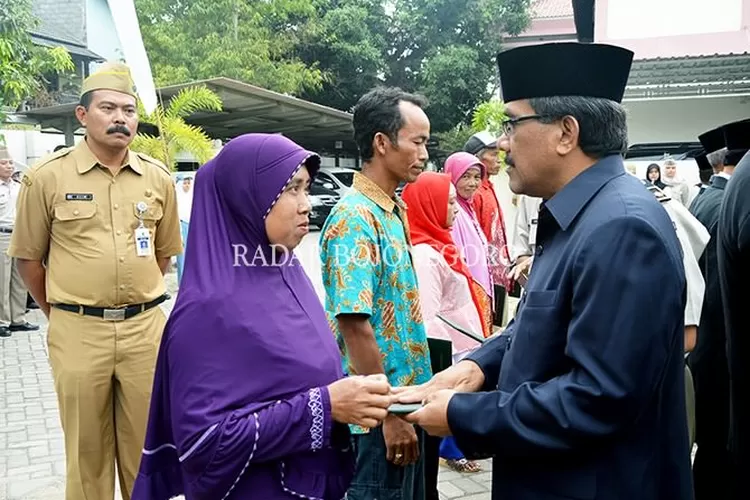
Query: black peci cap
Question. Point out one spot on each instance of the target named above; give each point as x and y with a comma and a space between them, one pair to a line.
713, 140
737, 135
703, 163
564, 69
737, 140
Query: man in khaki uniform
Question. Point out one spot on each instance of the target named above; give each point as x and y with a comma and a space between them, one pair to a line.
12, 290
96, 227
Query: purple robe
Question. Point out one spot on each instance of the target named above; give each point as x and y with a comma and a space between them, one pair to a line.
240, 408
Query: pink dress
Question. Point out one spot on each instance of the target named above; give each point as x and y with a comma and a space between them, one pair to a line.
445, 292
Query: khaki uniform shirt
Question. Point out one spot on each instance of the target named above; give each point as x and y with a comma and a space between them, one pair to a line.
73, 213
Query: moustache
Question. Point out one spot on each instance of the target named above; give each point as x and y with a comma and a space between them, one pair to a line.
122, 129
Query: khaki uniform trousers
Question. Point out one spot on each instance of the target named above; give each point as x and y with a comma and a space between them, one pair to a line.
12, 289
103, 373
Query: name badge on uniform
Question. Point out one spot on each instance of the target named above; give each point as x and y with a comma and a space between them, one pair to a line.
532, 231
79, 196
142, 234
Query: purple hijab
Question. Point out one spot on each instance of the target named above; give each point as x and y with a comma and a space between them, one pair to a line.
466, 231
240, 407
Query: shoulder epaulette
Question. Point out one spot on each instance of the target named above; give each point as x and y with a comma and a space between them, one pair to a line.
152, 161
53, 156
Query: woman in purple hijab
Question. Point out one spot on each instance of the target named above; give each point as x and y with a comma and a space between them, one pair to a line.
249, 400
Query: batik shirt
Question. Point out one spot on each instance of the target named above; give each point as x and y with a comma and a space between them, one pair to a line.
367, 269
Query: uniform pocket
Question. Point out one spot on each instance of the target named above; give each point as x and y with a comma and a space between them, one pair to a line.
69, 211
78, 224
541, 298
151, 216
540, 339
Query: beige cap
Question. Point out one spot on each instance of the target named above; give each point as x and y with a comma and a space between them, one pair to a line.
4, 153
110, 76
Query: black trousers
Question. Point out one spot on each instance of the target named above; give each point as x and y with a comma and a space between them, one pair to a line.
431, 466
500, 295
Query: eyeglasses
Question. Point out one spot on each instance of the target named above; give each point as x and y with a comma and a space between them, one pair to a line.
509, 125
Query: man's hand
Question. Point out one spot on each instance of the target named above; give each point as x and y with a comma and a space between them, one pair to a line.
401, 441
34, 275
465, 376
433, 417
520, 272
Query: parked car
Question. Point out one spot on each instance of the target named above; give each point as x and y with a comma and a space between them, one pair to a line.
336, 178
322, 201
640, 156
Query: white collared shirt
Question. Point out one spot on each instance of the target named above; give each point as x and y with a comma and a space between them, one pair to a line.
724, 175
8, 196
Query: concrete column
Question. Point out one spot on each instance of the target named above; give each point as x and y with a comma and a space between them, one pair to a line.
68, 130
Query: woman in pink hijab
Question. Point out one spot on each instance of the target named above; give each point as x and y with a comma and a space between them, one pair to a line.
466, 173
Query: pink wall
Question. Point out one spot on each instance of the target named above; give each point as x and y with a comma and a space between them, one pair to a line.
551, 26
544, 30
680, 45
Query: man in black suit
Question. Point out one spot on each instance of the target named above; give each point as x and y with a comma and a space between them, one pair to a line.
733, 255
708, 362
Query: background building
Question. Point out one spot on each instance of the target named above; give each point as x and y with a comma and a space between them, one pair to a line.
692, 67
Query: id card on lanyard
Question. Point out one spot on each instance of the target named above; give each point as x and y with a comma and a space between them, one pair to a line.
142, 234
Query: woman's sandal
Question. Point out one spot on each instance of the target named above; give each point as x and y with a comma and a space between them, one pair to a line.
464, 466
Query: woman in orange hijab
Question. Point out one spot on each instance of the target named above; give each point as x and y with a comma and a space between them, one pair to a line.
445, 282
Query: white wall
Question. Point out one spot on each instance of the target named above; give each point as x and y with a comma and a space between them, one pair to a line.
625, 18
28, 146
101, 34
330, 161
675, 120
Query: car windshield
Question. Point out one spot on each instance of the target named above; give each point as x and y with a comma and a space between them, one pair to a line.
346, 178
317, 189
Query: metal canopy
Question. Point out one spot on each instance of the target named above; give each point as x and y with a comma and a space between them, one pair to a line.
709, 75
247, 109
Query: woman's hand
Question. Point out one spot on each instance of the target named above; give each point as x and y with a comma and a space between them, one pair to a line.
360, 400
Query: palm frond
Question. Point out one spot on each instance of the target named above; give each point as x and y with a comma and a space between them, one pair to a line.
193, 99
182, 137
150, 145
155, 118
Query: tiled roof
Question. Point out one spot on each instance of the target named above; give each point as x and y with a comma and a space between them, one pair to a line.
62, 20
549, 9
689, 76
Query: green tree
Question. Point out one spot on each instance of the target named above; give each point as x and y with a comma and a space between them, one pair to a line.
347, 39
23, 64
199, 39
443, 49
333, 51
454, 139
176, 136
489, 116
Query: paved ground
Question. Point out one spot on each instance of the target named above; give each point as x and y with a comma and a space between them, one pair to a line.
32, 458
